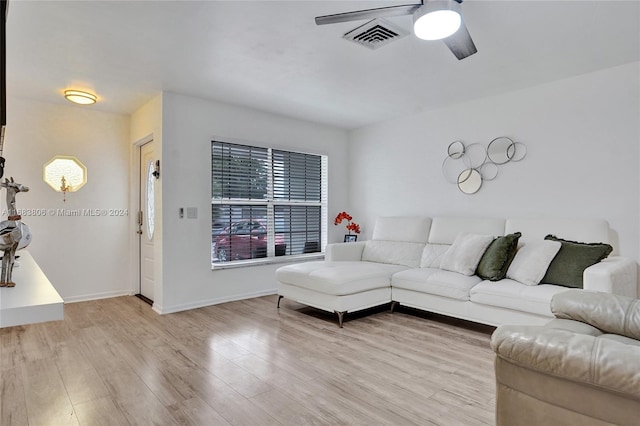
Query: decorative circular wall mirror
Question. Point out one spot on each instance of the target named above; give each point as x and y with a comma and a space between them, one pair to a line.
517, 151
456, 150
501, 150
453, 167
489, 171
469, 181
477, 155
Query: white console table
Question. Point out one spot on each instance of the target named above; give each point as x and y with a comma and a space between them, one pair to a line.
33, 299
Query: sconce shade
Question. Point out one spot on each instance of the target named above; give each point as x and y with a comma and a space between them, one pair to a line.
80, 97
68, 168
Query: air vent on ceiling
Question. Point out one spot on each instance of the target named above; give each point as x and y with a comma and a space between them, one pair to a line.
376, 33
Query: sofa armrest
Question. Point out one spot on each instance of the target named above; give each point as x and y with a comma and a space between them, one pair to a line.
611, 313
576, 357
344, 251
617, 275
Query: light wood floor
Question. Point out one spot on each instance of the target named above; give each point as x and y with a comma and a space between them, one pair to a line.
115, 361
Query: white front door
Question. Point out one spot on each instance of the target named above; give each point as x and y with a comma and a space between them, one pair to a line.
146, 219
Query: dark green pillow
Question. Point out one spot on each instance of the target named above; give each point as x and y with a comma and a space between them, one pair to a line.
567, 267
497, 257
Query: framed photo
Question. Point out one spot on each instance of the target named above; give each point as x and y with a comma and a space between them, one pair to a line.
350, 238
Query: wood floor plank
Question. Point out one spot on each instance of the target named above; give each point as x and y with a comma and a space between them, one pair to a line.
330, 401
115, 361
103, 355
83, 385
236, 409
138, 404
13, 406
162, 376
457, 410
45, 394
100, 412
11, 351
288, 411
195, 411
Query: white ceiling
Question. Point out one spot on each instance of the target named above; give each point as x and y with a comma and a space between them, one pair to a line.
270, 54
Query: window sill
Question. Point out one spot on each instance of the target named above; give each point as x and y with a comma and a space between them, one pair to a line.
266, 261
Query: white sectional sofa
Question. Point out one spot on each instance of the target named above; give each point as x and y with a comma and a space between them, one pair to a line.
401, 264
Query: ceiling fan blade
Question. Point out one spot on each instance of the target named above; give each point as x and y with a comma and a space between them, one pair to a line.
381, 12
460, 43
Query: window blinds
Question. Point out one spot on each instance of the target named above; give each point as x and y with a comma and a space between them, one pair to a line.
283, 190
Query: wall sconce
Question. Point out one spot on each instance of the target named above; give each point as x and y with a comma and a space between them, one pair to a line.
65, 174
156, 170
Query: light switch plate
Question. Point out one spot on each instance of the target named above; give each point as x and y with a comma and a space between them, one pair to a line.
192, 212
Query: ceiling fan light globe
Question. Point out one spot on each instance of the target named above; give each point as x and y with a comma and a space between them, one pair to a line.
437, 20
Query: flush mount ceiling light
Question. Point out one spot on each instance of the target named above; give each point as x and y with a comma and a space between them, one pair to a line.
437, 19
80, 97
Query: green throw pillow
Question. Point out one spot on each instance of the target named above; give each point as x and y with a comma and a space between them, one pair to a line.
496, 259
567, 267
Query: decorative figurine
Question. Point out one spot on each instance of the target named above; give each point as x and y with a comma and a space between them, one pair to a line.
10, 232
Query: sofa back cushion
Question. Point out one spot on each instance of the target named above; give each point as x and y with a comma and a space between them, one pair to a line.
444, 230
432, 255
393, 252
407, 229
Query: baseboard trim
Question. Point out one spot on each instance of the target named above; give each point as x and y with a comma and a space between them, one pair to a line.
202, 303
97, 296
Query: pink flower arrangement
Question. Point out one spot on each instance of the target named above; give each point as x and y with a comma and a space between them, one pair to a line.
351, 226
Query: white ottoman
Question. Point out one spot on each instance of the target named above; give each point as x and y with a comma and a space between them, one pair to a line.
338, 287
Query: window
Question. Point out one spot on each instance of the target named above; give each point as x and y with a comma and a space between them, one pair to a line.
266, 202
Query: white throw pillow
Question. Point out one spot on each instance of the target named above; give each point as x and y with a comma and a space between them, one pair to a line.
532, 261
432, 255
465, 253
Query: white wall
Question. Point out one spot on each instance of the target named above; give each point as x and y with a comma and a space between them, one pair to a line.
188, 126
582, 136
83, 257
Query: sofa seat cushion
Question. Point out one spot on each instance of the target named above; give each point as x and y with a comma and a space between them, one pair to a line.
436, 281
511, 294
338, 278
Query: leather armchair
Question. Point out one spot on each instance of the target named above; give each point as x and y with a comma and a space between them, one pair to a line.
582, 368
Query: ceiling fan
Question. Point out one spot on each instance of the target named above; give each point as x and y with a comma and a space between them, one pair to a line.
432, 20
